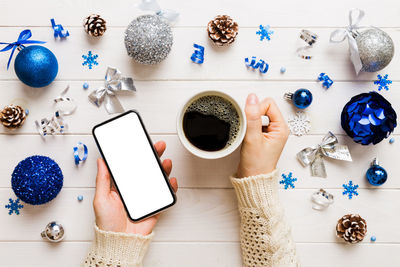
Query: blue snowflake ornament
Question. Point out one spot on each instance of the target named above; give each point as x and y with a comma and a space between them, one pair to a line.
350, 189
383, 82
90, 60
14, 206
287, 180
265, 32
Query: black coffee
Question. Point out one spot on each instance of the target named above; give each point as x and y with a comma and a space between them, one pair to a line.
211, 123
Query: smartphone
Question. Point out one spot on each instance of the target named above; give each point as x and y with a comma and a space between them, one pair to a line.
134, 165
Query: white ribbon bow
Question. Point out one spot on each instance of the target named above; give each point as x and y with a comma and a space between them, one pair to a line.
339, 35
114, 83
152, 5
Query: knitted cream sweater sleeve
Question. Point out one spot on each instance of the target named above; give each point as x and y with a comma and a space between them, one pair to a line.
265, 235
117, 249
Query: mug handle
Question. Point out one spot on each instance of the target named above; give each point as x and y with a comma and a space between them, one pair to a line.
265, 120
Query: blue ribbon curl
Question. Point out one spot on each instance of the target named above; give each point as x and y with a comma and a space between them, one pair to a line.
261, 64
59, 30
198, 54
78, 159
22, 39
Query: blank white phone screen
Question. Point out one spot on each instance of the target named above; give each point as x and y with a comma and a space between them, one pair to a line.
133, 165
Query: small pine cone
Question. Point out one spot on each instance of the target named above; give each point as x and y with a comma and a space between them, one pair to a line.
94, 25
12, 116
222, 30
352, 228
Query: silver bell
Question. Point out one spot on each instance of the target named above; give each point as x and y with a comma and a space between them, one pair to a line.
54, 232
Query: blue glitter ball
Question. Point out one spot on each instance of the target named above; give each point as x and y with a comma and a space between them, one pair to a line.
368, 118
36, 66
376, 175
373, 238
37, 180
302, 98
85, 85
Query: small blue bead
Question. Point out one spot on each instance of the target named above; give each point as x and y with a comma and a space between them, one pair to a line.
80, 198
391, 141
283, 70
27, 111
302, 98
376, 175
85, 86
373, 238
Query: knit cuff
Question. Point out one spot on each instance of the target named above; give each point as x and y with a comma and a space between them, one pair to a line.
128, 249
256, 191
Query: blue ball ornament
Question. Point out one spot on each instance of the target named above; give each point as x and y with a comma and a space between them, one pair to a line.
37, 180
302, 98
376, 175
36, 66
368, 118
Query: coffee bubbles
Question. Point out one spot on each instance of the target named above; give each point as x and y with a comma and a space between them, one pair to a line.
211, 123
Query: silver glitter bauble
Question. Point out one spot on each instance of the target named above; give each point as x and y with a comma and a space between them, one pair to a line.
148, 39
54, 232
376, 49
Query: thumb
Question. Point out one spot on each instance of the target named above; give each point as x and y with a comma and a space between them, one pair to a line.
103, 179
253, 116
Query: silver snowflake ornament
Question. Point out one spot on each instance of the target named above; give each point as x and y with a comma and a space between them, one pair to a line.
299, 123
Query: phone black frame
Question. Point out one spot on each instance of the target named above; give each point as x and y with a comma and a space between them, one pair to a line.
156, 156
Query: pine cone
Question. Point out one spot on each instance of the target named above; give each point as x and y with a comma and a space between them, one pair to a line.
94, 25
12, 116
352, 228
222, 30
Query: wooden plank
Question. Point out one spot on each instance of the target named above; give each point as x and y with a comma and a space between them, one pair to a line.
227, 254
120, 13
211, 215
220, 63
193, 172
160, 102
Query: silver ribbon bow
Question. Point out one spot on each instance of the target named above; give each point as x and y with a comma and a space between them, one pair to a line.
339, 35
329, 147
113, 84
152, 5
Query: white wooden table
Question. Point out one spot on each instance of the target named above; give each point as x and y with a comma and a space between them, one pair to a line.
202, 229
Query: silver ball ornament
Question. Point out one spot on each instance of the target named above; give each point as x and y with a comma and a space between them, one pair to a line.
54, 232
148, 39
376, 49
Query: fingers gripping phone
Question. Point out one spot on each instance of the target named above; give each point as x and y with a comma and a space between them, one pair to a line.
134, 165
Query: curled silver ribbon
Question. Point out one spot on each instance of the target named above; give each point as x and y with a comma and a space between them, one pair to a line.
113, 84
329, 147
152, 5
339, 35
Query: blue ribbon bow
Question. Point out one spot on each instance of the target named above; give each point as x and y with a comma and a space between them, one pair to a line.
59, 30
22, 39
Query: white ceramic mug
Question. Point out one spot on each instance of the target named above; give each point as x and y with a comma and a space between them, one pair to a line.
212, 154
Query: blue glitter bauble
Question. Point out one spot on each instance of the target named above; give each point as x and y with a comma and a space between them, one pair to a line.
368, 118
37, 180
302, 98
376, 175
36, 66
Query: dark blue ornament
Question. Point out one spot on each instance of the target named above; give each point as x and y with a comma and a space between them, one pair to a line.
37, 180
368, 118
36, 66
376, 175
301, 98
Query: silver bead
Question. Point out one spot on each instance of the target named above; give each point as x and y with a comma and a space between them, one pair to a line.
54, 232
148, 39
376, 49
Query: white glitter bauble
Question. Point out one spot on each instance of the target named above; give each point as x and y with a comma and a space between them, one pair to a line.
148, 39
376, 49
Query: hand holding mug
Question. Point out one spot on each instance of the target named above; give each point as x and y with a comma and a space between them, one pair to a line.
261, 150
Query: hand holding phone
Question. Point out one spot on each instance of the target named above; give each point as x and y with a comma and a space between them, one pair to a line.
109, 210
